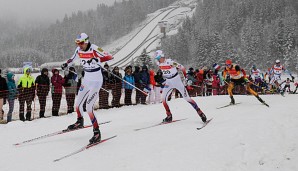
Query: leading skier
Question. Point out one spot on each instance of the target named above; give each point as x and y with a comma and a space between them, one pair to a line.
173, 81
91, 57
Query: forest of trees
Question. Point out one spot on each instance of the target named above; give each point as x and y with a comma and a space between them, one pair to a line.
246, 31
56, 42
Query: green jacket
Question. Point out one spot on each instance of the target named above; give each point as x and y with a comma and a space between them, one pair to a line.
26, 81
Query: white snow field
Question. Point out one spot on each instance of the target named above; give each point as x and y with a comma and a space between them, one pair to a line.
244, 137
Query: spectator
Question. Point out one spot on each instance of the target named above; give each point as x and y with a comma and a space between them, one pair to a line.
26, 93
127, 87
70, 85
78, 88
137, 77
116, 84
208, 82
191, 82
151, 87
103, 93
12, 94
57, 82
145, 81
42, 83
159, 80
3, 94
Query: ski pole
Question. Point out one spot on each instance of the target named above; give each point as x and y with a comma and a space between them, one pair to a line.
125, 81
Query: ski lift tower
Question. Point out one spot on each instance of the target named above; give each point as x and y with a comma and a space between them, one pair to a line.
163, 26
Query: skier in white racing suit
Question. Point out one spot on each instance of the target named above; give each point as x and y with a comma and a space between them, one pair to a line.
91, 56
276, 71
173, 81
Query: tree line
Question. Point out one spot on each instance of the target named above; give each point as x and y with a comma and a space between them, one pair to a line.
56, 42
246, 31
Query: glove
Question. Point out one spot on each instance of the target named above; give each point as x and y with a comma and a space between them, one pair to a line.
246, 80
228, 78
292, 77
63, 66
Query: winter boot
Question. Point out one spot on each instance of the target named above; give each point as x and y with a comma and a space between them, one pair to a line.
28, 116
77, 125
21, 116
41, 114
96, 137
55, 113
232, 100
169, 118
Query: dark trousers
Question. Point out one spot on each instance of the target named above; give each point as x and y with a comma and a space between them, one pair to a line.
104, 97
42, 103
138, 92
127, 97
56, 97
25, 97
70, 100
116, 91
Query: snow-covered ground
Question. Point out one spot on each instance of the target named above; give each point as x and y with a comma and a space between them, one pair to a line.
246, 137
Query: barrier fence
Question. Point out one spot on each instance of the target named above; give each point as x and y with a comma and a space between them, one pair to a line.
29, 104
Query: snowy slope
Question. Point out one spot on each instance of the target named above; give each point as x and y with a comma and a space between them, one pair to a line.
147, 35
245, 137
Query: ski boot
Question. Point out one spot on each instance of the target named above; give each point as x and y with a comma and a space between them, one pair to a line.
77, 125
96, 137
232, 100
169, 118
203, 117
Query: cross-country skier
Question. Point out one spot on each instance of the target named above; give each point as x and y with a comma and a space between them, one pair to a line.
91, 56
234, 75
276, 71
173, 81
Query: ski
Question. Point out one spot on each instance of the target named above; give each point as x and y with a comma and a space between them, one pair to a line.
84, 148
227, 105
205, 124
162, 123
56, 133
264, 103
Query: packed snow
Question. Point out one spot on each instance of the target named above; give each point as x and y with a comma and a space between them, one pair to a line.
248, 136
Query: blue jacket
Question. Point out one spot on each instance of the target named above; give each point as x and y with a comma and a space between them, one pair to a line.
130, 79
12, 89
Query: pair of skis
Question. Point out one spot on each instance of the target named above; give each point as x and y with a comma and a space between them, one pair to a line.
177, 120
264, 103
94, 144
66, 131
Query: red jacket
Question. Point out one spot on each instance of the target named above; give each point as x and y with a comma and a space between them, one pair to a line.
57, 82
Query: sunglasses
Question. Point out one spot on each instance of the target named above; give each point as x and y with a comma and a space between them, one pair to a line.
80, 43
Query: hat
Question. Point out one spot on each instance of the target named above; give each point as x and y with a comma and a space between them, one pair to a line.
158, 54
83, 37
228, 62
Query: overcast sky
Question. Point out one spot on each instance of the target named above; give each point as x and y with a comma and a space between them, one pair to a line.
44, 10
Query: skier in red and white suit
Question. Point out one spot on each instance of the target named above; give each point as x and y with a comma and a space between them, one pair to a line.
91, 57
173, 81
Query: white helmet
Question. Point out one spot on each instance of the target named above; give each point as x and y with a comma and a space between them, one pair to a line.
83, 37
158, 54
277, 61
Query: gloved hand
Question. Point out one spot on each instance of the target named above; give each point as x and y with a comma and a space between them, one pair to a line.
292, 77
63, 66
246, 80
228, 79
